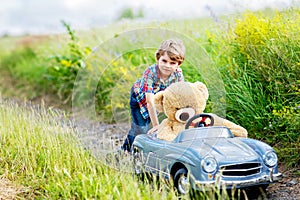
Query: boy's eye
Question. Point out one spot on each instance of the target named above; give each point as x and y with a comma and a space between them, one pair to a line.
171, 63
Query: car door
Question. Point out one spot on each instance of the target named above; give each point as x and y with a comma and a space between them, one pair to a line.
159, 157
154, 160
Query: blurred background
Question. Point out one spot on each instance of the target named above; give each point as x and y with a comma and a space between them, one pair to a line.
18, 17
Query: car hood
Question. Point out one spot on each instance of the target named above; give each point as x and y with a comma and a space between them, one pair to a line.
224, 149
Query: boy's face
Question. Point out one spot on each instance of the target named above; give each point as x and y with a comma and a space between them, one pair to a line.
166, 66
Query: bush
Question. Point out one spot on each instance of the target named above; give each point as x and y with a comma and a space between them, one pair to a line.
114, 86
63, 69
260, 68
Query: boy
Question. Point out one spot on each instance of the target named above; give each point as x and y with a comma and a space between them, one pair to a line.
157, 77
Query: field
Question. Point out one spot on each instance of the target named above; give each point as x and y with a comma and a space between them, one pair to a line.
250, 63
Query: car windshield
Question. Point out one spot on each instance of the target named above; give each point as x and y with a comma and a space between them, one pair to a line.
204, 132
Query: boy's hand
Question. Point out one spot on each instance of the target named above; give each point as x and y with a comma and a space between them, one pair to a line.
153, 130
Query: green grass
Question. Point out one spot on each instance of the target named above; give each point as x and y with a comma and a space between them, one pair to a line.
45, 157
260, 68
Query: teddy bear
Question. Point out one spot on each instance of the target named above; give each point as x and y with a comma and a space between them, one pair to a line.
181, 101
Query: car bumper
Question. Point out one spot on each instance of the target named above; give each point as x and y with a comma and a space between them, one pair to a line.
219, 182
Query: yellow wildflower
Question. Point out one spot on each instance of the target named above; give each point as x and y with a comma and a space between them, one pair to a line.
66, 63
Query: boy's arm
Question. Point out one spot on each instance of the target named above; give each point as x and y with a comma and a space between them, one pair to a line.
152, 112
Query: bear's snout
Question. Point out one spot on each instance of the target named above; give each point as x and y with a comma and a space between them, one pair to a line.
184, 116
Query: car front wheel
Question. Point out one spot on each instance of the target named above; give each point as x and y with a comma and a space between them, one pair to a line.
181, 181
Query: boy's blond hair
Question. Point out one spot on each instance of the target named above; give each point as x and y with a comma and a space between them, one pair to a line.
174, 48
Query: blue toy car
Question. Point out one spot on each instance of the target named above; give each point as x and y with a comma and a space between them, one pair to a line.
207, 156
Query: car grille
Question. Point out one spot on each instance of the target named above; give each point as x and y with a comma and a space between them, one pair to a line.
243, 169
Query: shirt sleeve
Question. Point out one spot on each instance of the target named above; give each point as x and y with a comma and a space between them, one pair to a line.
148, 80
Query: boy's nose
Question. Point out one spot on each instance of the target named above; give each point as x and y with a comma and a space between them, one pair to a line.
168, 65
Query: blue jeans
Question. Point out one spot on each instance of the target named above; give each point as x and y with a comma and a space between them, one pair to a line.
139, 125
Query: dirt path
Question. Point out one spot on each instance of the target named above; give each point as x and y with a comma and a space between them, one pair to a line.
8, 190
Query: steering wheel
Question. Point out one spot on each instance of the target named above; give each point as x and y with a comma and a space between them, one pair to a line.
200, 120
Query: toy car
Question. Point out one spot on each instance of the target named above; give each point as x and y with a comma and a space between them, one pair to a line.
206, 156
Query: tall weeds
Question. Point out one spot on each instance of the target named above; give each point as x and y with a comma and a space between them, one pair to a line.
41, 153
260, 61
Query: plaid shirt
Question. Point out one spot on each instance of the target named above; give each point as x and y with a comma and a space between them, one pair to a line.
152, 83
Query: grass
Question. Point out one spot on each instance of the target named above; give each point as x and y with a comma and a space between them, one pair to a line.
44, 156
41, 158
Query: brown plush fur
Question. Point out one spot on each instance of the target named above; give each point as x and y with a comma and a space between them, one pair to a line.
179, 96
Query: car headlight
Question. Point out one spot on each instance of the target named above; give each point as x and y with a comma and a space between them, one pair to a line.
209, 164
270, 158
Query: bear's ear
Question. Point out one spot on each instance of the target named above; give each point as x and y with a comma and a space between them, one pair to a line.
202, 88
158, 101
